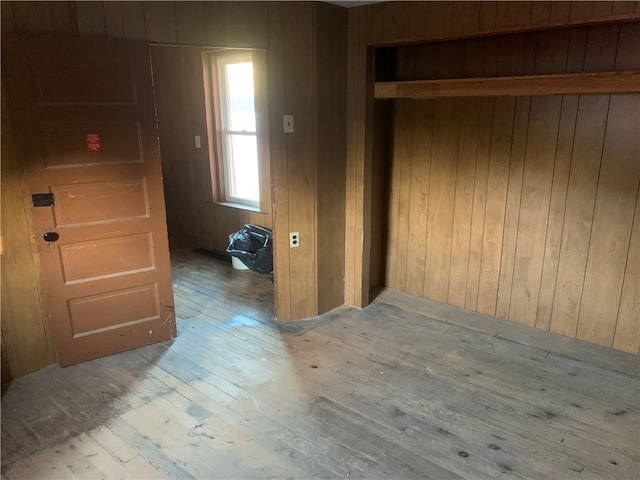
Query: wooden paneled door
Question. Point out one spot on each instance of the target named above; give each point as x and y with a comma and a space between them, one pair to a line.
83, 114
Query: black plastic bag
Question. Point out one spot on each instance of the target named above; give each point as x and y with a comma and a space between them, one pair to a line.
253, 246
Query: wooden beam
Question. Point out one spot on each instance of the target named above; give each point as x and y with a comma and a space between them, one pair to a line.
610, 82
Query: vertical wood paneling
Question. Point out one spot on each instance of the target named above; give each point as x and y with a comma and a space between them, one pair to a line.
531, 174
466, 17
575, 54
91, 19
160, 22
621, 7
512, 207
261, 25
26, 335
560, 11
395, 189
553, 239
113, 19
237, 24
511, 14
479, 202
64, 18
213, 23
627, 335
612, 220
541, 11
439, 18
6, 17
497, 184
331, 90
133, 19
581, 10
362, 190
190, 22
488, 12
374, 18
601, 48
396, 20
578, 215
628, 58
420, 175
416, 15
404, 155
541, 143
351, 271
173, 70
442, 180
301, 147
4, 362
534, 208
279, 159
463, 200
32, 17
380, 172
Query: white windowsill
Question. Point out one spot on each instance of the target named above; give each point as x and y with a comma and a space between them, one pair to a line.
238, 206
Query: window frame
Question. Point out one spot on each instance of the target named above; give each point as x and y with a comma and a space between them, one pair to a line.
216, 123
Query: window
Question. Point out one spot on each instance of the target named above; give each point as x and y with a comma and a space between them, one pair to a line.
236, 123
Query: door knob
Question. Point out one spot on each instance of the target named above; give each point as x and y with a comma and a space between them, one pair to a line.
51, 237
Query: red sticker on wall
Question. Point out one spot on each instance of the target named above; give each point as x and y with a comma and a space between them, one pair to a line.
93, 142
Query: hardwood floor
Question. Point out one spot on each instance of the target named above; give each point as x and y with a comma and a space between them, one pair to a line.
405, 388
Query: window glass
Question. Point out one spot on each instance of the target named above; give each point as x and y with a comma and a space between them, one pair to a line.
241, 108
243, 162
238, 129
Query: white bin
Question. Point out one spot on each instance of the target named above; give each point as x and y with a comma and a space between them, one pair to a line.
237, 264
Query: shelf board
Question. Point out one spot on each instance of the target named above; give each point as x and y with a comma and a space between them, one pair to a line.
581, 83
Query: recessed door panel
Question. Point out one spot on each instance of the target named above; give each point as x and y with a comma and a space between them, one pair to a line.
89, 203
111, 310
99, 259
91, 144
65, 80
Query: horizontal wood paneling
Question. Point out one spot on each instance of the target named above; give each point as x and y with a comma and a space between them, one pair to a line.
533, 243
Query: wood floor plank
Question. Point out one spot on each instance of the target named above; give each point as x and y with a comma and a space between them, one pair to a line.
485, 408
405, 388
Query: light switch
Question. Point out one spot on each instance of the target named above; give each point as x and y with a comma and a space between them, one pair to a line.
197, 141
288, 123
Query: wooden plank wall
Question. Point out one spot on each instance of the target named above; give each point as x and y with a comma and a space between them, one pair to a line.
399, 22
289, 31
331, 68
27, 344
495, 202
180, 106
410, 22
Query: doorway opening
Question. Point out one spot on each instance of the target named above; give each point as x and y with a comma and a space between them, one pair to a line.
191, 115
